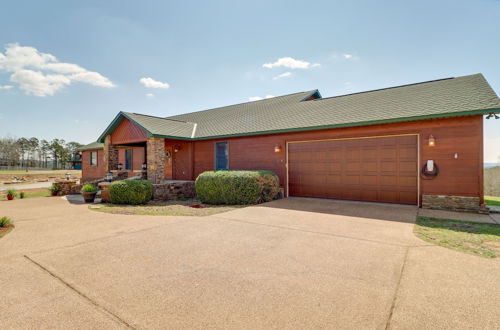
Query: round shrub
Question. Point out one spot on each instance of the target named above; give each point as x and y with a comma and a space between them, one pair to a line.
237, 187
130, 192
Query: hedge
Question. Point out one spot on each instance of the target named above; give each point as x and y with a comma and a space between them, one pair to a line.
130, 192
237, 187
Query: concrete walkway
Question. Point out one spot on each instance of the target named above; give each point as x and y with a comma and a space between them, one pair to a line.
289, 264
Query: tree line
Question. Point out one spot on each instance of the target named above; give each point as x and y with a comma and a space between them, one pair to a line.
32, 152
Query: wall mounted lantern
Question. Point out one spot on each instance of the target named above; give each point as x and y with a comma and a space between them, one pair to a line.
120, 166
144, 166
432, 141
177, 148
277, 148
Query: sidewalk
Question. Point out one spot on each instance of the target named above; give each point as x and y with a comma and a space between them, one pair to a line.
493, 218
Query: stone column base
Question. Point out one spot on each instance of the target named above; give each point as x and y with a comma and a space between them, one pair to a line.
451, 203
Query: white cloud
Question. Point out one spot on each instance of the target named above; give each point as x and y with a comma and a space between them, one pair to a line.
41, 74
288, 62
38, 84
6, 86
151, 83
283, 75
344, 56
315, 65
492, 150
258, 98
150, 95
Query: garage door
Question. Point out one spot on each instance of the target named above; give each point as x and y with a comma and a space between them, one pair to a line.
379, 169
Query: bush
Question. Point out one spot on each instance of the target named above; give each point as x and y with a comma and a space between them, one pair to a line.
130, 192
55, 188
4, 222
22, 194
89, 188
237, 187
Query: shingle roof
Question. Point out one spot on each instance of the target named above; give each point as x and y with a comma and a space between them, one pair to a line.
450, 97
91, 146
163, 126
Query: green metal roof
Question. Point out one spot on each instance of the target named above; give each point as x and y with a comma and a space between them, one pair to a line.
91, 146
467, 95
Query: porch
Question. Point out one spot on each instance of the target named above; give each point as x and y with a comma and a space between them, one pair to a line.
159, 160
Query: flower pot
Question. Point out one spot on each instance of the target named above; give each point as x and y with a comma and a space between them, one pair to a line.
54, 192
10, 197
89, 196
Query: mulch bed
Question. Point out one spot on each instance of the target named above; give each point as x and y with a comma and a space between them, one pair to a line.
4, 230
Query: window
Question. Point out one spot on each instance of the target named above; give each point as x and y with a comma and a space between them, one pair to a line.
128, 159
93, 158
221, 156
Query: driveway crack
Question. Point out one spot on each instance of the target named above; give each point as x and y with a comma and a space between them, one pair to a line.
83, 295
312, 232
395, 297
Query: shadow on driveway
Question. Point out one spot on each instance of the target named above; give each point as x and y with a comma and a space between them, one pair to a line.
379, 211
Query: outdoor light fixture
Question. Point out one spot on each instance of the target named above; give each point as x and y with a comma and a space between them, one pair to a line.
68, 176
277, 148
120, 166
177, 148
109, 176
144, 166
432, 141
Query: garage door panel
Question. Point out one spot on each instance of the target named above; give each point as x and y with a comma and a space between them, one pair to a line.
372, 169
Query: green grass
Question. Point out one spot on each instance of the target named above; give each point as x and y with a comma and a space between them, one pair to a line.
41, 192
165, 208
478, 239
492, 200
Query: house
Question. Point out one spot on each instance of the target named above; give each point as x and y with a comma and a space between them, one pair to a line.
368, 146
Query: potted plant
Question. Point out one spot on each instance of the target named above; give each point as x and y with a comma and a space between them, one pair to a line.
88, 192
11, 193
54, 189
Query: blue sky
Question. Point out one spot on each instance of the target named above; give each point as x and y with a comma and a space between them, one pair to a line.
212, 53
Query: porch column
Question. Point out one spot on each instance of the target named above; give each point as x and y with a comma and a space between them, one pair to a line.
155, 157
110, 156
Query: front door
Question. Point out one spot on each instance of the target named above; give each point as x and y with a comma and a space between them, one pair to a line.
169, 154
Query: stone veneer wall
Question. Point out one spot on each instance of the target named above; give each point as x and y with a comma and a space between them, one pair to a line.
110, 156
155, 159
174, 190
452, 203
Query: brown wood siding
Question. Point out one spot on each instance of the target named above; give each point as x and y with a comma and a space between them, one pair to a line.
382, 169
462, 135
92, 172
128, 132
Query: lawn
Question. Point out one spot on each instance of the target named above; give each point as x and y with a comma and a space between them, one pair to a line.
29, 193
478, 239
492, 200
176, 208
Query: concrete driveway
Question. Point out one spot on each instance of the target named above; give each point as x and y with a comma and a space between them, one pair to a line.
294, 263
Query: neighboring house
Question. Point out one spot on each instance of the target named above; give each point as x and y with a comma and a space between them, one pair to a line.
368, 146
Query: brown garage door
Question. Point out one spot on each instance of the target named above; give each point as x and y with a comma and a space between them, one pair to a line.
381, 169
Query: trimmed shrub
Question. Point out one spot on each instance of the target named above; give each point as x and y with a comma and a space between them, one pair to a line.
237, 187
130, 192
